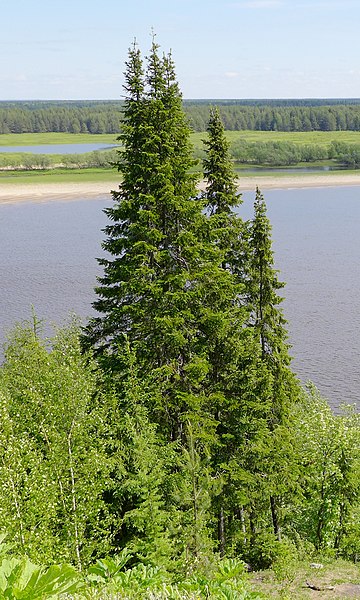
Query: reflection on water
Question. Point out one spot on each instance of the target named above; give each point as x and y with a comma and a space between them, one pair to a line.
47, 259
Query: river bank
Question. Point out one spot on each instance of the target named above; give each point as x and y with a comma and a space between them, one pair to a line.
43, 192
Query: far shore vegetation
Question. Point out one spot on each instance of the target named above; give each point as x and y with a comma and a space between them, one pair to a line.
44, 177
248, 149
323, 138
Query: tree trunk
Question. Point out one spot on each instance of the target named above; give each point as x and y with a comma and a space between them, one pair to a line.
221, 532
243, 525
275, 520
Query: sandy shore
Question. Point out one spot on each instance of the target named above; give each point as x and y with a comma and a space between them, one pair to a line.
11, 193
44, 192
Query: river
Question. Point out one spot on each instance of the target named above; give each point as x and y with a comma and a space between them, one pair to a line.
48, 255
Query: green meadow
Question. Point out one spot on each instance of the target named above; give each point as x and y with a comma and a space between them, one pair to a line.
301, 137
35, 139
260, 150
58, 176
322, 138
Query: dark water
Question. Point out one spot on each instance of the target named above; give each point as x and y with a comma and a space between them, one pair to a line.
57, 148
47, 259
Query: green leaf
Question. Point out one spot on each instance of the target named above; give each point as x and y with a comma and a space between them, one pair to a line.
22, 580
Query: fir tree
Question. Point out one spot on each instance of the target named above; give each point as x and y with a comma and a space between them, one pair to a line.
281, 387
234, 380
266, 315
225, 314
221, 189
115, 293
154, 279
151, 240
164, 284
222, 198
160, 273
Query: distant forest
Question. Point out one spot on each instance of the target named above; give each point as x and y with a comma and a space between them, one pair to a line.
237, 115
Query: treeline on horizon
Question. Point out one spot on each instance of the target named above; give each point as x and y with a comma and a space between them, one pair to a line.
259, 115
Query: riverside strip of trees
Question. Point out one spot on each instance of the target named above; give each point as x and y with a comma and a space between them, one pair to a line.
242, 152
173, 427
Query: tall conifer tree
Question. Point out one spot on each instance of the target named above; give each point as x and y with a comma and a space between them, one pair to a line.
155, 203
234, 380
221, 189
157, 275
281, 389
266, 314
151, 289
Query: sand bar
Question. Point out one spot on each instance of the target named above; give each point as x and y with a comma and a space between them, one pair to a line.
13, 193
44, 192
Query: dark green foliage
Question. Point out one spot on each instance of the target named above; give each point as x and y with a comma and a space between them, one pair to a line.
155, 278
224, 320
221, 189
277, 389
246, 387
266, 316
262, 286
151, 239
157, 285
139, 488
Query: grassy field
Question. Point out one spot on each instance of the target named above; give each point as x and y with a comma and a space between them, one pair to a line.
36, 139
59, 176
321, 138
92, 174
308, 137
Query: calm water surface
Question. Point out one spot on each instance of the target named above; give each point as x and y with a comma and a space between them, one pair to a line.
47, 260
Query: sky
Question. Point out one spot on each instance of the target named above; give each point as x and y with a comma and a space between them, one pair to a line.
76, 49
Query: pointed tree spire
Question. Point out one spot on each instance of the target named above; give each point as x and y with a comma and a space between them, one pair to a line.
282, 388
150, 286
220, 177
263, 286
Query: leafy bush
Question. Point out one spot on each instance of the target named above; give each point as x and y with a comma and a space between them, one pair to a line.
20, 579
